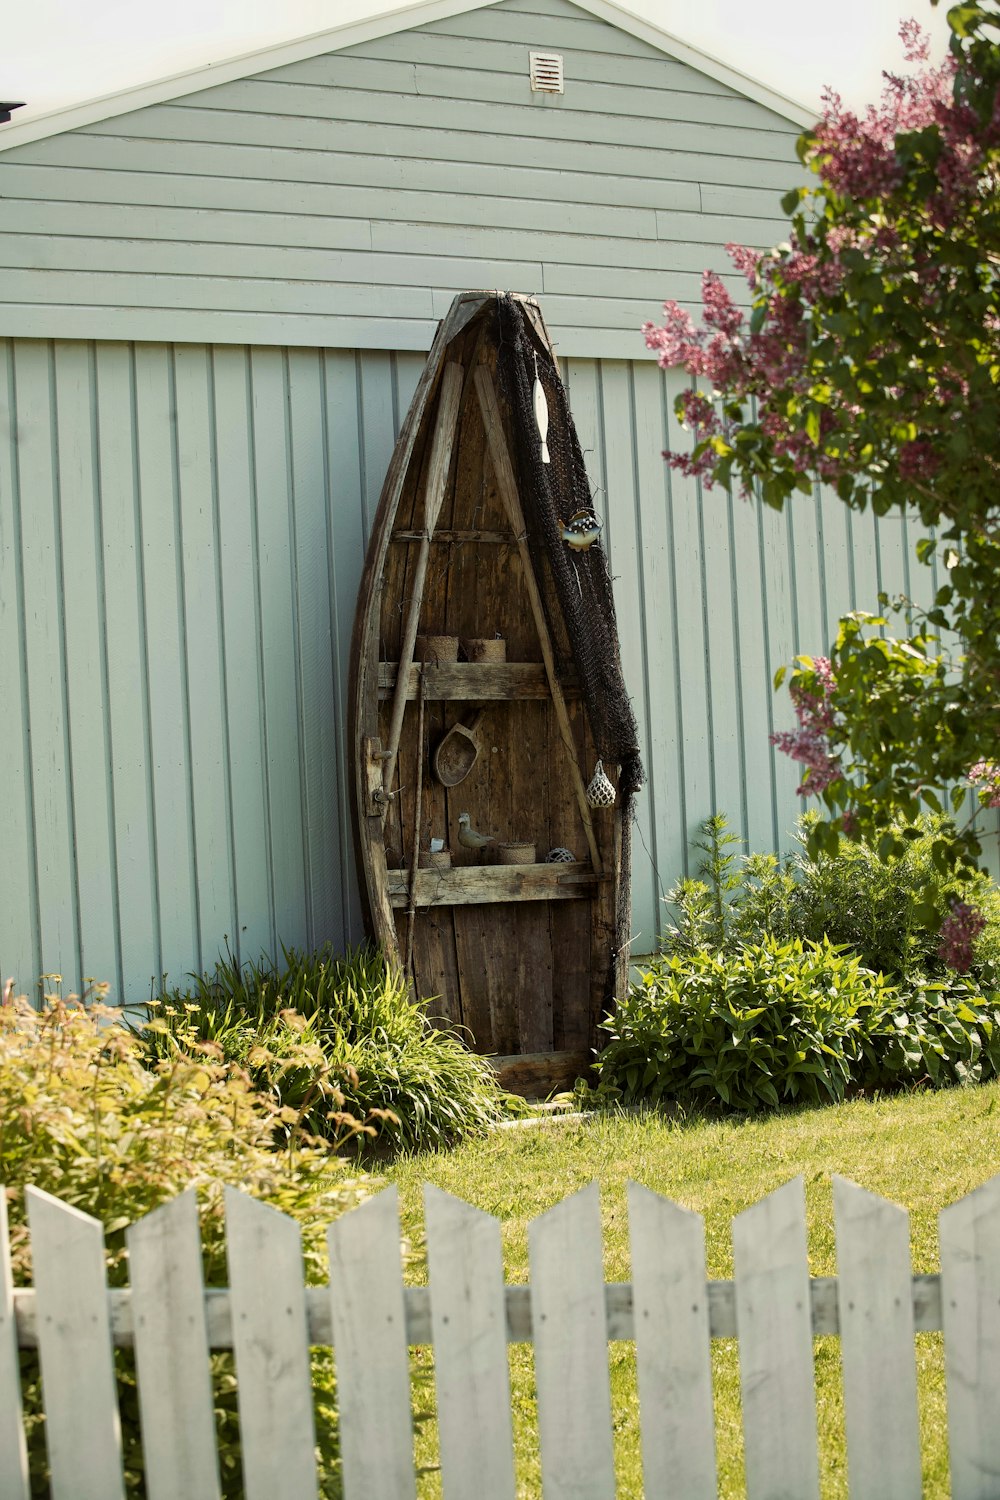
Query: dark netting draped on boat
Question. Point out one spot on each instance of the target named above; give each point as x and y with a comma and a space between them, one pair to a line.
551, 494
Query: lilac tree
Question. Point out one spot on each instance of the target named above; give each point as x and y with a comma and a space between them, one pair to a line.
870, 361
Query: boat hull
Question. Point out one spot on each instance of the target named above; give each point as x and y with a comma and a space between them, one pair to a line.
520, 955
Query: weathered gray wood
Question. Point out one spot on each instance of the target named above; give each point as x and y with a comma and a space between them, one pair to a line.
618, 1301
171, 1353
467, 681
82, 1430
775, 1345
271, 1343
442, 443
468, 1313
672, 1346
480, 884
970, 1304
536, 1075
369, 1338
13, 1450
570, 1333
507, 485
876, 1345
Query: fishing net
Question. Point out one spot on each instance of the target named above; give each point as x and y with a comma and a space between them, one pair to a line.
575, 585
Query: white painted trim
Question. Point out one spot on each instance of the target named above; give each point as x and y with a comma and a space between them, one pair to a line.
404, 18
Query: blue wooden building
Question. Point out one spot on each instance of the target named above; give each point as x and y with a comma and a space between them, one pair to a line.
215, 297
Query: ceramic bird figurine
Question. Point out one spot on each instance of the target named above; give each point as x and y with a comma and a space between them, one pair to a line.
541, 416
467, 835
582, 530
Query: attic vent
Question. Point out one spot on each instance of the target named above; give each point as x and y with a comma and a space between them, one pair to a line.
546, 72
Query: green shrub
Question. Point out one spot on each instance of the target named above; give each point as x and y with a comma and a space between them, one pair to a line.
422, 1082
776, 1023
86, 1117
854, 898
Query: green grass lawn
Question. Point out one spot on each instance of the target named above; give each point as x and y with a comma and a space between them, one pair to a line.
923, 1151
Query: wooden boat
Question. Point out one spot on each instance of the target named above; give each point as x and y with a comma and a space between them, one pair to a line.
524, 956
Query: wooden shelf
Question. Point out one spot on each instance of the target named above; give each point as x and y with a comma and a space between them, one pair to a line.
475, 885
466, 681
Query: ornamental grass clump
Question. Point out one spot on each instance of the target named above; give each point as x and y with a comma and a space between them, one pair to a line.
88, 1116
420, 1082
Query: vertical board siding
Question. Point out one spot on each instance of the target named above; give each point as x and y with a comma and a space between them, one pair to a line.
182, 530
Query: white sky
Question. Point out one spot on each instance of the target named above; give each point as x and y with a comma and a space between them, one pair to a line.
59, 52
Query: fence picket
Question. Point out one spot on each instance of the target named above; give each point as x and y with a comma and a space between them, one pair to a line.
171, 1353
271, 1343
775, 1344
673, 1347
469, 1319
371, 1352
13, 1452
569, 1328
970, 1304
74, 1341
875, 1305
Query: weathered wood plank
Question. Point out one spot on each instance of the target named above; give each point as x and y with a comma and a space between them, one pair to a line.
876, 1345
369, 1338
13, 1450
535, 1075
271, 1342
775, 1333
171, 1353
571, 1357
673, 1347
465, 1263
970, 1303
468, 681
82, 1429
466, 885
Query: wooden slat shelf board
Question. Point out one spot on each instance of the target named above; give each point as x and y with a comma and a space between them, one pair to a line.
441, 534
472, 885
466, 681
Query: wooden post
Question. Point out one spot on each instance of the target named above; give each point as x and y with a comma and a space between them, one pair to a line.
443, 441
507, 485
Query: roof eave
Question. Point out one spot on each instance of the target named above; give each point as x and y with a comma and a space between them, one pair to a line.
405, 17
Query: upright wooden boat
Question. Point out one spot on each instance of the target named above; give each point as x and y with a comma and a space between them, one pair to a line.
525, 956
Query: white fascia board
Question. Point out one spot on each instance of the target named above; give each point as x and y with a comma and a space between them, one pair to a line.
402, 19
616, 15
245, 66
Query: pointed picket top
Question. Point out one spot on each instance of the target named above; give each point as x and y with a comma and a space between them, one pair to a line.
271, 1344
172, 1353
875, 1305
472, 1377
774, 1318
570, 1332
13, 1450
969, 1234
74, 1342
673, 1346
371, 1351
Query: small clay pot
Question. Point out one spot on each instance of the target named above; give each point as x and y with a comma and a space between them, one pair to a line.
435, 859
516, 854
437, 650
485, 650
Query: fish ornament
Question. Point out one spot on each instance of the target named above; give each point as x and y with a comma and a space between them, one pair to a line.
581, 530
541, 415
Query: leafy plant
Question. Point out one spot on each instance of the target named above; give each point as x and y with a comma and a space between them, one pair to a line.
872, 905
421, 1081
87, 1116
773, 1023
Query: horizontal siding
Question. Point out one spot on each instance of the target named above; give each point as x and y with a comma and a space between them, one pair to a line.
182, 530
342, 200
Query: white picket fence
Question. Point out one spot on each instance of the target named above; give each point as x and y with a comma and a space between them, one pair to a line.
672, 1313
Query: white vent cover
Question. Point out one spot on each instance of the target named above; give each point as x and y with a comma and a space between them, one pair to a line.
546, 72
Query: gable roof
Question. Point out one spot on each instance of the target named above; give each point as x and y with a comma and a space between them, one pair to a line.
402, 19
